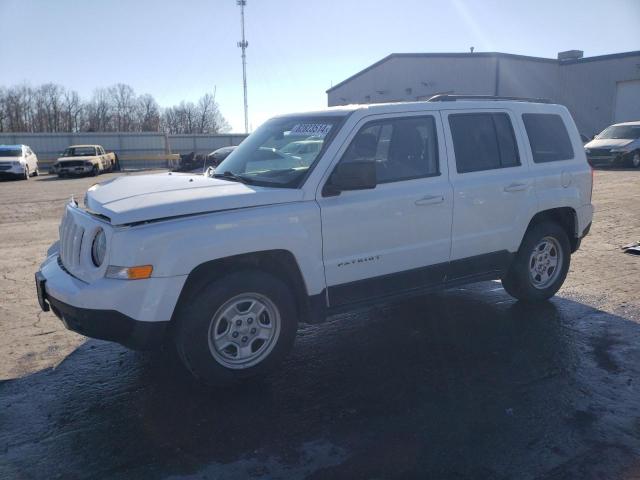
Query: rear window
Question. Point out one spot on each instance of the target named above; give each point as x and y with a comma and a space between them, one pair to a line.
483, 141
548, 137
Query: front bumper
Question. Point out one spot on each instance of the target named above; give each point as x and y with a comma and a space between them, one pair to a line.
12, 172
74, 170
109, 325
134, 313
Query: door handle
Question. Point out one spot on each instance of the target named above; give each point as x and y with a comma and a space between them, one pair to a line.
430, 200
516, 187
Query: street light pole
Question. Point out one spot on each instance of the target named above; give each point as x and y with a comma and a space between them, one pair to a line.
243, 44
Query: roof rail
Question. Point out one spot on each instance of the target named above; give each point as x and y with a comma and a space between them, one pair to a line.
453, 98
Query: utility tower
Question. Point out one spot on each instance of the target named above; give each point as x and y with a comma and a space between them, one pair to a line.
243, 44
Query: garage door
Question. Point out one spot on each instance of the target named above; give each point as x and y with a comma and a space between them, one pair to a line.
627, 101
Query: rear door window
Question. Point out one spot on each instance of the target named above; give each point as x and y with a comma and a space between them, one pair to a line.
548, 137
483, 141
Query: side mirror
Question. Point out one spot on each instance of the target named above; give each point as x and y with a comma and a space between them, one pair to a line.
358, 175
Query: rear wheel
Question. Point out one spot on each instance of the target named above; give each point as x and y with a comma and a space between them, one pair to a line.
541, 264
36, 173
239, 326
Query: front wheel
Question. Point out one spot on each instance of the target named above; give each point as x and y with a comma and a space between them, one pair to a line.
239, 326
541, 264
634, 161
26, 174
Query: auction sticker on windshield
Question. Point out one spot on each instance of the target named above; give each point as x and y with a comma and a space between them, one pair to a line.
315, 129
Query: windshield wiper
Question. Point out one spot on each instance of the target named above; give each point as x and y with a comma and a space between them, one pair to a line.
228, 175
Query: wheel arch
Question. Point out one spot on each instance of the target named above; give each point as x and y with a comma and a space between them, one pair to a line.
282, 264
566, 217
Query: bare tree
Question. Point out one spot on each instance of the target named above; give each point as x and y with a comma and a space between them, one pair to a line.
147, 114
18, 108
3, 110
187, 117
123, 100
53, 108
99, 112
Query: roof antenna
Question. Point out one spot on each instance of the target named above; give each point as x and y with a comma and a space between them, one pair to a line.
471, 48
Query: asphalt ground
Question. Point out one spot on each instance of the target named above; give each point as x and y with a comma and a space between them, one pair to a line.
464, 384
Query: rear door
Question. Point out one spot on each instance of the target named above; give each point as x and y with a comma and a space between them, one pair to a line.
396, 236
494, 196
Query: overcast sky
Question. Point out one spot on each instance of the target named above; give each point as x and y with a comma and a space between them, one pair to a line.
178, 50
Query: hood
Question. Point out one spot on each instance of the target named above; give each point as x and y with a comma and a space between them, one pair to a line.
139, 198
11, 159
608, 143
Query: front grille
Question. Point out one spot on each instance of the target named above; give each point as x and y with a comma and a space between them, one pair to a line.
599, 152
70, 242
72, 163
5, 167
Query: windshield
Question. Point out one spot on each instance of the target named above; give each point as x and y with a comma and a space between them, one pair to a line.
10, 152
281, 151
626, 132
79, 152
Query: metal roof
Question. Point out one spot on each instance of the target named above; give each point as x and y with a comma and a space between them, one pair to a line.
487, 55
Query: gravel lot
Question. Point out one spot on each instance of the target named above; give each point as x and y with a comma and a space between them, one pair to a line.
463, 384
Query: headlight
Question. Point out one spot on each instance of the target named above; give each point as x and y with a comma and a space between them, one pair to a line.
619, 150
15, 163
88, 164
99, 248
587, 151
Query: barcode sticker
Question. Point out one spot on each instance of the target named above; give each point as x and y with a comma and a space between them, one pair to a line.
312, 129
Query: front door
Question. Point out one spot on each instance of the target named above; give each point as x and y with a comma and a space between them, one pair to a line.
396, 236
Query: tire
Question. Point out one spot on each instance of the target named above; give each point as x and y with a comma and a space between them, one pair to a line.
95, 172
532, 278
634, 159
36, 173
220, 361
26, 173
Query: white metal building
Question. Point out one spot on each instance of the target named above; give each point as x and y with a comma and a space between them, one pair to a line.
597, 90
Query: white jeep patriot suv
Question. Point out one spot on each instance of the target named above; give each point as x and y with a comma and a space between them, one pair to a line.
398, 199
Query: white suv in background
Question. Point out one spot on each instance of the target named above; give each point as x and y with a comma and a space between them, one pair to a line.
18, 161
400, 199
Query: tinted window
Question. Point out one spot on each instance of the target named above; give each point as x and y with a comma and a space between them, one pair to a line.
483, 141
548, 137
403, 148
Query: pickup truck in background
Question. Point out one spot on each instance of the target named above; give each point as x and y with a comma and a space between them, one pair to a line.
84, 160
